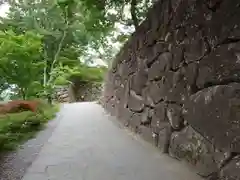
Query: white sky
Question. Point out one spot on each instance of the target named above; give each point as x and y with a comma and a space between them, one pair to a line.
4, 9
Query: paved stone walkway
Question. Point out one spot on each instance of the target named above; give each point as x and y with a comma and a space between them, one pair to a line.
88, 145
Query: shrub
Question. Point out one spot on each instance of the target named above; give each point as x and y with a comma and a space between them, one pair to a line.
15, 128
18, 106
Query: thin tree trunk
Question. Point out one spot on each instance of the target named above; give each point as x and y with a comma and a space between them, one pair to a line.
58, 50
59, 46
134, 14
23, 94
49, 98
56, 56
61, 41
45, 68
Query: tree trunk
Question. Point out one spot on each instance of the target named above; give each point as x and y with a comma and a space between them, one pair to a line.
134, 14
23, 93
49, 99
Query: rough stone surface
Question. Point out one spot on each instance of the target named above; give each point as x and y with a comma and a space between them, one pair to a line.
213, 107
148, 135
62, 94
232, 170
139, 80
183, 64
147, 116
135, 121
191, 146
161, 65
174, 115
135, 102
78, 92
164, 136
159, 119
87, 92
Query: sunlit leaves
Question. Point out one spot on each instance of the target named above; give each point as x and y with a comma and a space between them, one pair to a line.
20, 59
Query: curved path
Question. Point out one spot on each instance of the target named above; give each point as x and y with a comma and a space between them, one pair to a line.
88, 145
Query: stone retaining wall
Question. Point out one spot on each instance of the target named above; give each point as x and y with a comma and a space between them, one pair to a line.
62, 94
78, 92
88, 92
176, 82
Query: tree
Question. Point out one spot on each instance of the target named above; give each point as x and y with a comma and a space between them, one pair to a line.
136, 8
60, 25
68, 30
20, 60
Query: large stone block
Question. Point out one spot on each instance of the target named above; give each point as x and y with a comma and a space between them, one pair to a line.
161, 65
174, 86
164, 137
152, 93
148, 134
150, 54
135, 102
163, 89
190, 146
135, 121
117, 81
160, 111
127, 68
150, 38
111, 106
159, 119
180, 13
190, 76
232, 170
147, 115
139, 80
222, 66
178, 56
124, 114
174, 114
119, 92
215, 113
222, 22
196, 47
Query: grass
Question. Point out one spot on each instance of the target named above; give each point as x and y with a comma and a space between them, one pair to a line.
16, 128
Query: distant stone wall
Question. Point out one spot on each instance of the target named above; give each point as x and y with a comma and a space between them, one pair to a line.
78, 92
176, 82
88, 92
62, 94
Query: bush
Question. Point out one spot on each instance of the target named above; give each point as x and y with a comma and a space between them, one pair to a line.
15, 128
18, 106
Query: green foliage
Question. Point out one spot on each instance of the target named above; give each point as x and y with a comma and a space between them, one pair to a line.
52, 18
16, 128
88, 74
66, 75
20, 59
41, 42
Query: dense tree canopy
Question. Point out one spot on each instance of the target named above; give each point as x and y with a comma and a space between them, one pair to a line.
49, 42
20, 58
